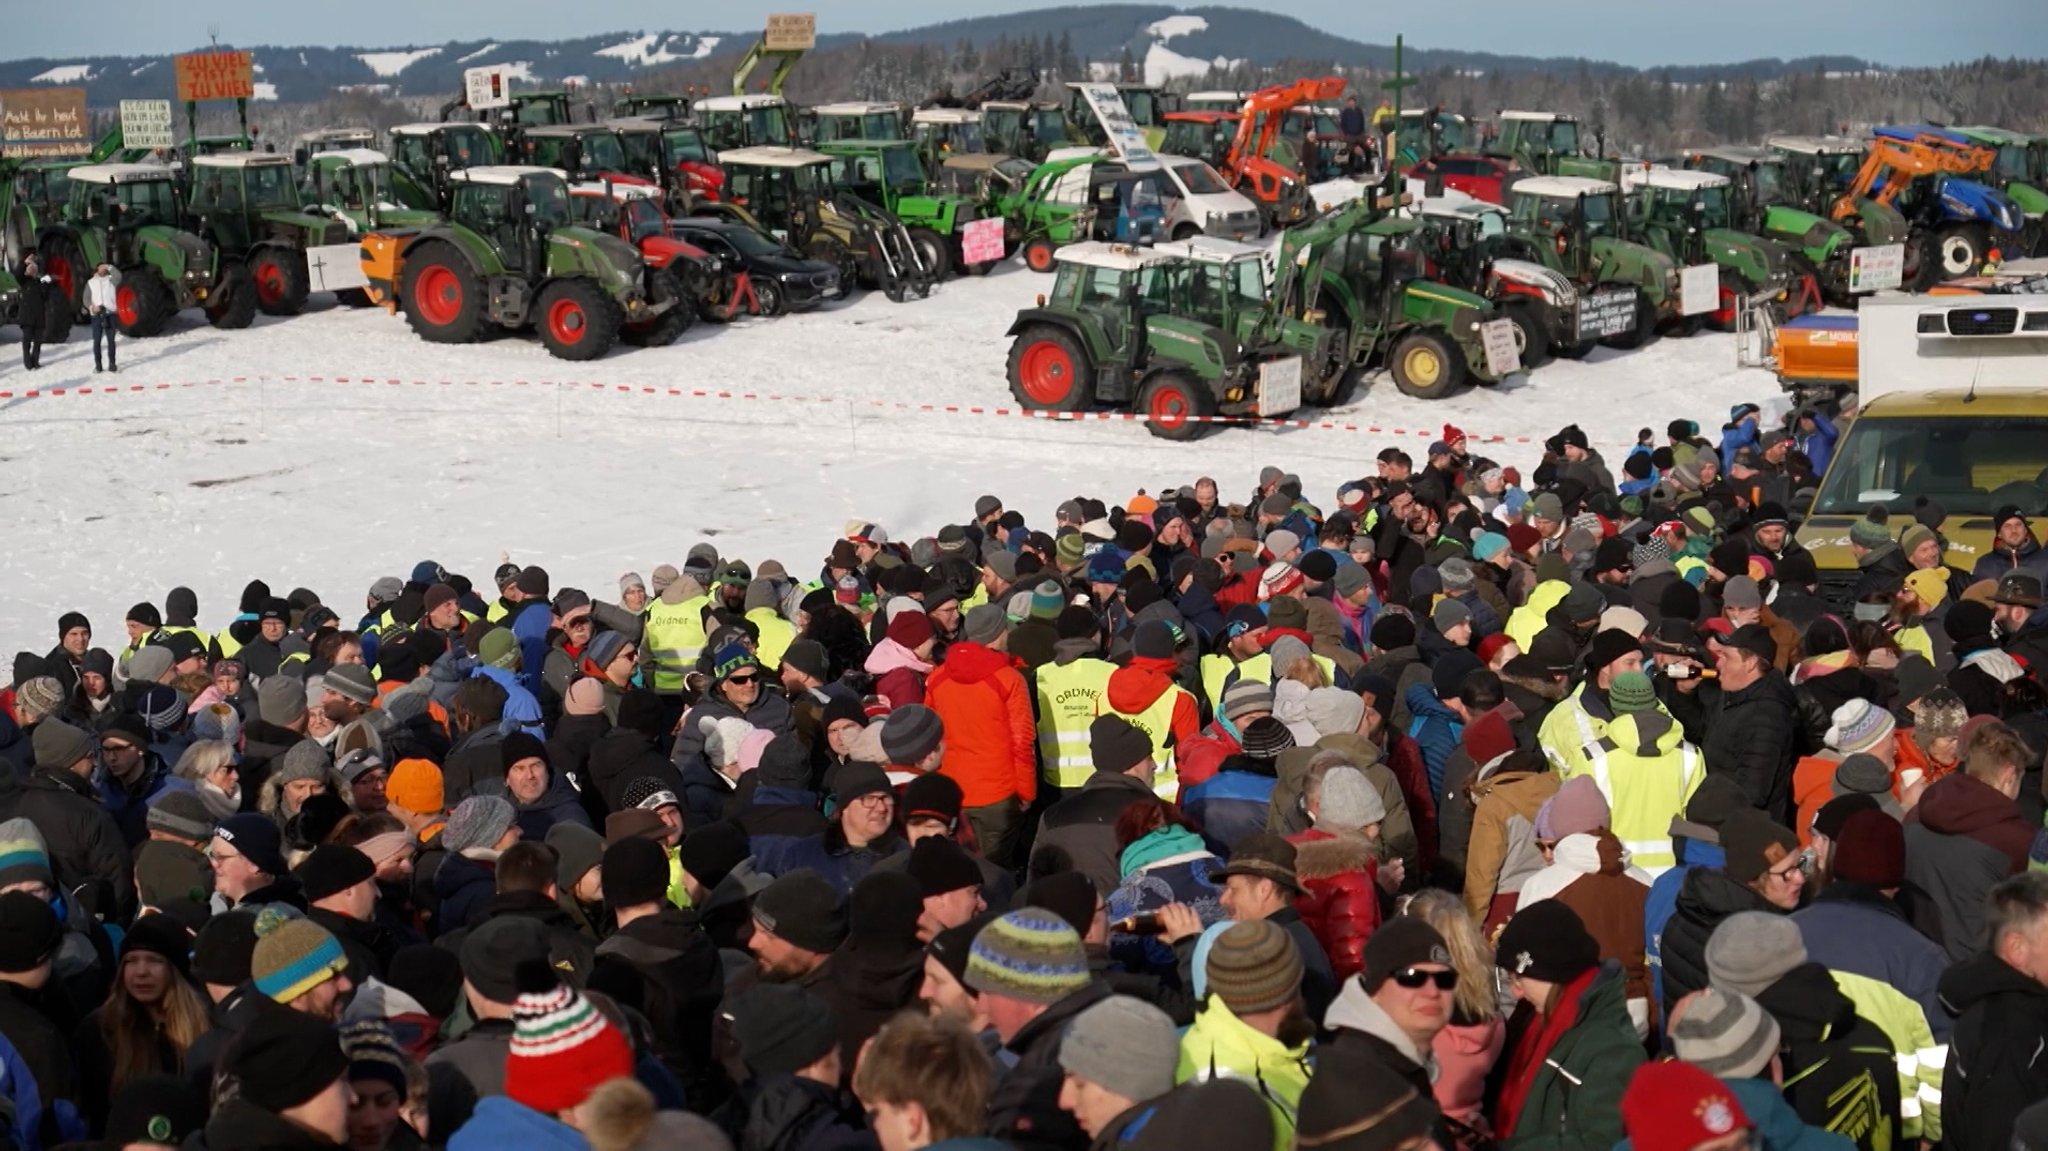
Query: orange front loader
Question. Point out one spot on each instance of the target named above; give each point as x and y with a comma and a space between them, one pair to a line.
1280, 189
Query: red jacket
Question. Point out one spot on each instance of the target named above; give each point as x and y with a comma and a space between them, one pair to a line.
1341, 905
1139, 684
1404, 759
1201, 756
991, 738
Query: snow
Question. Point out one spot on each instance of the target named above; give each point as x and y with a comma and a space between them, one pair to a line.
64, 74
365, 89
483, 51
141, 70
264, 91
1174, 26
256, 68
392, 64
654, 48
1163, 64
520, 70
110, 499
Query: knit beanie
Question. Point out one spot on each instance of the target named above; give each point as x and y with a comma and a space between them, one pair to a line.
932, 796
781, 1028
562, 1047
1046, 600
1333, 711
1576, 809
939, 866
1726, 1034
804, 909
38, 698
1753, 844
1253, 967
1632, 691
577, 850
1546, 941
1245, 697
1751, 950
305, 759
1400, 943
58, 745
176, 813
1858, 725
1125, 1046
1115, 744
635, 872
415, 785
257, 837
1871, 849
1869, 533
1030, 955
477, 822
373, 1053
149, 664
713, 851
1348, 802
911, 733
585, 696
494, 951
222, 953
351, 681
284, 1059
331, 869
293, 955
24, 854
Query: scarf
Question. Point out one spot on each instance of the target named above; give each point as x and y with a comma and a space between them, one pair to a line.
1821, 665
1533, 1048
1166, 845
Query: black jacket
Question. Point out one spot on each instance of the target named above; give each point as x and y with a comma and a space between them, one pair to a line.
569, 748
35, 1023
780, 1112
369, 947
621, 757
83, 840
1752, 737
1083, 826
668, 968
569, 950
242, 1126
1706, 896
1024, 1109
1995, 1068
1840, 1070
473, 763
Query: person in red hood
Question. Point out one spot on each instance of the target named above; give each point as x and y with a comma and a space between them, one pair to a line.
1143, 692
1966, 834
991, 738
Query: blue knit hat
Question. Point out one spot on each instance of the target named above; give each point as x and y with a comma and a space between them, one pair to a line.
293, 955
731, 658
24, 856
1030, 955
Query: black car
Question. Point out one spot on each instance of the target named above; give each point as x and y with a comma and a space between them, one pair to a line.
784, 281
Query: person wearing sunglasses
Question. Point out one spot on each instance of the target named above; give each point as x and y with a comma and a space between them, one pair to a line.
1394, 1008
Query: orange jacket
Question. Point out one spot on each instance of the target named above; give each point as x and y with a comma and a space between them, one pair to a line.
991, 737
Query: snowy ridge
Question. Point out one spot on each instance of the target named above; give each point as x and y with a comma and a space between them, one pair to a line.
483, 51
1172, 26
65, 74
1163, 64
265, 91
390, 64
655, 48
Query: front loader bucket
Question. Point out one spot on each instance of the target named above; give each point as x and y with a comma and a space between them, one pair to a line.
899, 266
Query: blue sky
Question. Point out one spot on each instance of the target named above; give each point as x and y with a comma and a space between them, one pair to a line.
1640, 32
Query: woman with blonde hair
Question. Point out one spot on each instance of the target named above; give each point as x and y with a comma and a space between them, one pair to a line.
209, 766
149, 1021
1467, 1048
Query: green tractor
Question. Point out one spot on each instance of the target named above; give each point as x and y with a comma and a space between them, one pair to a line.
424, 158
1549, 145
672, 155
789, 191
352, 187
943, 133
755, 120
1060, 202
1687, 216
857, 121
1030, 129
1427, 132
2021, 172
1572, 225
247, 206
1758, 204
307, 145
128, 215
889, 173
511, 255
1819, 169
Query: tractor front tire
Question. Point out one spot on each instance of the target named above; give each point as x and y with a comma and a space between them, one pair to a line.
65, 264
1176, 406
933, 252
577, 321
1049, 371
143, 304
1532, 336
443, 299
282, 284
1961, 250
668, 327
231, 306
1426, 365
1039, 255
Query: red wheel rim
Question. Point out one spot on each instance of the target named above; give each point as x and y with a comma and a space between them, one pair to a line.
1724, 316
124, 305
440, 293
1047, 373
567, 322
1170, 407
1040, 257
270, 282
60, 271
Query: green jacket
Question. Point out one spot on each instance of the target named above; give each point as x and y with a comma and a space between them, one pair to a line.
1574, 1103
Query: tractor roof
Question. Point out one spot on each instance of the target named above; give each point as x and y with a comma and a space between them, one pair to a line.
740, 103
1443, 207
618, 191
1238, 96
1460, 119
429, 128
1543, 117
1738, 154
358, 157
1999, 136
981, 161
772, 157
566, 131
1212, 250
1561, 187
238, 160
502, 175
121, 174
1671, 179
945, 116
339, 134
1022, 105
1816, 145
1118, 257
856, 108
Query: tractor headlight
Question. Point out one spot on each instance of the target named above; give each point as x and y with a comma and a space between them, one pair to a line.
2009, 218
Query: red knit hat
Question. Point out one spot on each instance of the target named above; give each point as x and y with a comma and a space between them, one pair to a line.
1522, 537
1871, 850
910, 628
1453, 435
1676, 1107
1490, 647
562, 1048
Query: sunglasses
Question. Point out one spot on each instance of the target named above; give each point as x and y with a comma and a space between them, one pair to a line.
1413, 978
741, 679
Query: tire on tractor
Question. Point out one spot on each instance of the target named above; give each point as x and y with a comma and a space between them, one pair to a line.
933, 252
1532, 335
1039, 255
1176, 406
65, 264
721, 302
577, 321
1426, 365
1049, 371
282, 284
232, 304
1646, 326
668, 327
1961, 250
443, 299
143, 304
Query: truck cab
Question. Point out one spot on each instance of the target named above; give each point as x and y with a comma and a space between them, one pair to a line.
859, 121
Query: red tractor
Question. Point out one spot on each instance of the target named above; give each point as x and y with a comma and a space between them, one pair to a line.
633, 213
675, 155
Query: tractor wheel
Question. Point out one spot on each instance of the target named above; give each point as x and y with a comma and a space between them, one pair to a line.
1049, 371
442, 298
831, 251
1426, 365
281, 281
1961, 250
668, 327
232, 304
353, 298
768, 297
577, 321
1186, 232
1039, 255
65, 264
1646, 326
1532, 337
1727, 304
721, 302
143, 304
1176, 406
933, 252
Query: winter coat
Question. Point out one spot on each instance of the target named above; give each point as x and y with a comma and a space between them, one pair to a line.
463, 886
1961, 839
1341, 903
1083, 826
1355, 1022
1608, 896
1326, 630
1502, 853
1465, 1051
1995, 1069
1318, 982
1023, 1107
39, 1025
1706, 896
772, 814
2000, 560
1399, 834
1233, 803
826, 853
84, 842
474, 766
1840, 1070
1435, 728
463, 1076
239, 1125
1222, 1046
570, 951
782, 1112
1563, 1074
560, 803
681, 982
1752, 737
899, 675
991, 737
569, 751
1853, 928
704, 795
770, 712
1170, 865
624, 755
369, 947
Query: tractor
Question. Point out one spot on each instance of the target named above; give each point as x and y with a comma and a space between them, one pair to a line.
429, 155
1548, 145
1427, 133
247, 206
2021, 172
1030, 129
789, 191
128, 215
1465, 242
1817, 169
675, 156
526, 110
1206, 135
890, 174
1965, 219
511, 255
677, 272
1085, 198
1686, 215
665, 106
752, 120
1210, 102
857, 121
1572, 225
943, 133
1264, 163
1148, 105
580, 151
307, 145
1757, 203
351, 186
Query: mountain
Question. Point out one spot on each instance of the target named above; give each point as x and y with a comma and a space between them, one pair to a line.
1166, 42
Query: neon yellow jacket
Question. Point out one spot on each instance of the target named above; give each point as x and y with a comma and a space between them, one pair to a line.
1525, 621
1647, 772
1920, 1058
1222, 1046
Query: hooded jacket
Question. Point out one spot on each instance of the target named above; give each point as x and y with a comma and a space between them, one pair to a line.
1961, 839
84, 842
1840, 1069
1083, 825
1858, 929
1340, 901
1502, 852
1399, 831
1023, 1107
623, 755
1222, 1046
1564, 1083
1753, 736
827, 853
1706, 896
560, 803
1233, 803
1648, 773
1357, 1022
1435, 728
991, 738
1138, 685
899, 675
770, 712
681, 982
1995, 1065
1591, 875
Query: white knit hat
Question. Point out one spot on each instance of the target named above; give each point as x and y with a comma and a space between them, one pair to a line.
1348, 802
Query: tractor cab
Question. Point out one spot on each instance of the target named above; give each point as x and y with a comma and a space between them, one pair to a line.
1818, 168
129, 215
358, 185
753, 121
983, 177
1690, 216
1757, 176
516, 209
1566, 208
673, 154
776, 184
1212, 102
942, 133
431, 153
1429, 132
1459, 237
2021, 172
790, 192
1224, 283
583, 151
1547, 144
1028, 129
1147, 104
1313, 131
857, 121
38, 191
310, 144
655, 106
124, 196
1205, 135
536, 109
232, 193
1678, 197
248, 206
879, 171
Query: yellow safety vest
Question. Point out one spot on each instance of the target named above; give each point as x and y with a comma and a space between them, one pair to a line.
497, 611
1069, 698
1258, 669
776, 635
1156, 722
1650, 791
675, 638
975, 598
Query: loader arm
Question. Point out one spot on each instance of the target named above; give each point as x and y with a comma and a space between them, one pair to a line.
785, 62
1264, 113
1894, 162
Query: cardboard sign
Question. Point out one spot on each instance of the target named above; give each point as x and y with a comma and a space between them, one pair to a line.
1125, 137
981, 241
1503, 358
1699, 290
216, 76
1279, 386
487, 87
38, 122
335, 268
1606, 313
1875, 269
791, 32
146, 124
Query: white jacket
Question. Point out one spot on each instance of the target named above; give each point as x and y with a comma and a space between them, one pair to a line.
99, 293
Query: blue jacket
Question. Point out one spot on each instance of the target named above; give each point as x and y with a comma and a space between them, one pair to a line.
1819, 444
131, 810
829, 855
1853, 928
704, 795
1663, 900
1200, 610
1774, 1119
530, 622
522, 710
560, 803
1742, 435
1436, 729
1229, 805
462, 886
1182, 874
499, 1123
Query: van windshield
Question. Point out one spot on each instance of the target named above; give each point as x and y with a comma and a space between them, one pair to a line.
1969, 465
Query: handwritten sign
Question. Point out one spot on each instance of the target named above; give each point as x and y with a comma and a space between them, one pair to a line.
39, 122
1279, 386
1503, 357
1699, 289
1878, 268
791, 32
1125, 136
146, 123
981, 241
487, 87
1606, 314
216, 76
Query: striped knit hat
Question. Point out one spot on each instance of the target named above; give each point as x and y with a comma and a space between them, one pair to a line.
1030, 955
24, 855
293, 955
562, 1048
1726, 1034
1254, 967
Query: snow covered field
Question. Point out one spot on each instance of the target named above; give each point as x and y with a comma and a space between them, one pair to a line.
289, 475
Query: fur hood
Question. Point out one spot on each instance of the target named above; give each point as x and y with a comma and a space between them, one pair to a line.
1540, 688
1322, 858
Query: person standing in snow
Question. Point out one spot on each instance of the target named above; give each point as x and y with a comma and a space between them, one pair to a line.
101, 304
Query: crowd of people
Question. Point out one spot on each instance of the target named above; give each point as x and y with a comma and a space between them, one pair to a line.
1463, 811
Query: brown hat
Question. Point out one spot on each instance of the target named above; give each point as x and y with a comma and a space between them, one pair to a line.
1263, 855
